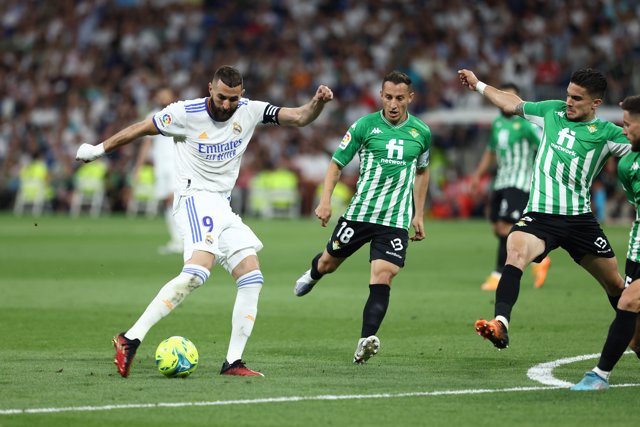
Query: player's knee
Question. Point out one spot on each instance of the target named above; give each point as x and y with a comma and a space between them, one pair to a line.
250, 280
613, 283
629, 301
191, 278
195, 274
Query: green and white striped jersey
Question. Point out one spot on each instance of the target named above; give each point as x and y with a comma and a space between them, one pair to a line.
514, 142
389, 156
571, 154
629, 176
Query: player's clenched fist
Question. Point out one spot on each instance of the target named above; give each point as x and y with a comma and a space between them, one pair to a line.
468, 79
324, 94
88, 152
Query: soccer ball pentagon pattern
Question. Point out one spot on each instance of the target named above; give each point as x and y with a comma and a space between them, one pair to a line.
176, 357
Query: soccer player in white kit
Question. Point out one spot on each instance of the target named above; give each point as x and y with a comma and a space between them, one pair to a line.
210, 135
161, 148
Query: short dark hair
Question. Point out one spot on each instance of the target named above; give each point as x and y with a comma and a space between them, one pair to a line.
509, 85
397, 77
592, 80
631, 104
229, 76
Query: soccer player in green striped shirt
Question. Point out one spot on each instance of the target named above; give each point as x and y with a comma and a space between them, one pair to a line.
513, 144
393, 147
623, 325
575, 145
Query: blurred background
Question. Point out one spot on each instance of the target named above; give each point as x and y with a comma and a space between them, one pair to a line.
79, 71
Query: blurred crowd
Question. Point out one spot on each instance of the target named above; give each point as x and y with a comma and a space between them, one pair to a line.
74, 71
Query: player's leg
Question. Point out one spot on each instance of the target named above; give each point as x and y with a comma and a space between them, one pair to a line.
321, 264
240, 246
194, 273
375, 309
620, 333
346, 238
522, 249
388, 252
605, 271
199, 259
249, 283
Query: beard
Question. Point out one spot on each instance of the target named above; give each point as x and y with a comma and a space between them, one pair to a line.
222, 115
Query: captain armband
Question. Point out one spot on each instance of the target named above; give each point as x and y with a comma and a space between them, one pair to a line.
270, 115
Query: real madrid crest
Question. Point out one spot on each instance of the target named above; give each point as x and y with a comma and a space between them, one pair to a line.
237, 128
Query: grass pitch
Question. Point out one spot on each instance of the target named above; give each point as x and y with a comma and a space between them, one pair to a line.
69, 285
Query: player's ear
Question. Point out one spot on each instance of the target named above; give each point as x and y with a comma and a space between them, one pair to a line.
597, 102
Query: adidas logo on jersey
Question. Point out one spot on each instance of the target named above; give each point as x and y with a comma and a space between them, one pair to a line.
560, 113
203, 135
375, 131
635, 166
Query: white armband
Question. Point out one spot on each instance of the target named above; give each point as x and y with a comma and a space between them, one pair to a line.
480, 87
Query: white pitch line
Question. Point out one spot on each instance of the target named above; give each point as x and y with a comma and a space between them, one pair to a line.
267, 400
543, 372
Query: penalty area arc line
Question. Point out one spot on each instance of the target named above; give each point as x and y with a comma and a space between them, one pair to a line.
543, 372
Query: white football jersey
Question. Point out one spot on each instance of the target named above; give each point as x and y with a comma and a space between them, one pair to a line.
207, 152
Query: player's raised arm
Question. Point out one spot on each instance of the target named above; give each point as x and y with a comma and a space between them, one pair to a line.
508, 102
88, 152
305, 114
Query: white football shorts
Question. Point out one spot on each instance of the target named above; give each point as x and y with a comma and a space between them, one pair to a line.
208, 224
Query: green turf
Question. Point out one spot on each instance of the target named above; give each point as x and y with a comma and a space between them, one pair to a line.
68, 286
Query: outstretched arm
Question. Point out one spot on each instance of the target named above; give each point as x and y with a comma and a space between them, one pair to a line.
305, 114
331, 178
420, 187
88, 152
510, 103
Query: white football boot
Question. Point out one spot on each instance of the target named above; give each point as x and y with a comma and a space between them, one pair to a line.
304, 284
367, 347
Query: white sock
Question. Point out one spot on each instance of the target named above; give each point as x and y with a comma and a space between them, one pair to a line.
504, 321
601, 373
172, 226
169, 297
245, 310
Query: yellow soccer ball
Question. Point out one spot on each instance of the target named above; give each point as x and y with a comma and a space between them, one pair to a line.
176, 357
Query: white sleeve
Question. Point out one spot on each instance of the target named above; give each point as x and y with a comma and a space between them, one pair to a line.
171, 121
618, 149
